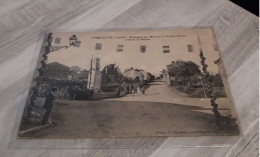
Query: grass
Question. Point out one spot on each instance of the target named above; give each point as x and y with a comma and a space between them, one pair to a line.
199, 92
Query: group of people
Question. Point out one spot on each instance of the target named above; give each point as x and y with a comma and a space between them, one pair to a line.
134, 90
129, 89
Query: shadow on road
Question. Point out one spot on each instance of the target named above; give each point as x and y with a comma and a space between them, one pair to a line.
85, 119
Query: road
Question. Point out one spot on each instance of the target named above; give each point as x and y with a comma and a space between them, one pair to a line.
161, 111
87, 119
159, 91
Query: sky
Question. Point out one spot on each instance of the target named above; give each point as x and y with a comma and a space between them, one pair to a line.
153, 60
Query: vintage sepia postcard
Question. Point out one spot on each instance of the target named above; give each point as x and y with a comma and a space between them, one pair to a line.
129, 84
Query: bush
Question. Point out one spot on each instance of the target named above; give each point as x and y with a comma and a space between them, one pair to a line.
219, 92
199, 92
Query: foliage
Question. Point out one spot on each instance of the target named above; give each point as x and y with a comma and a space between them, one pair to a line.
83, 74
74, 71
185, 71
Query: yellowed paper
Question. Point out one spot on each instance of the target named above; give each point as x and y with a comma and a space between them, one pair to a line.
129, 84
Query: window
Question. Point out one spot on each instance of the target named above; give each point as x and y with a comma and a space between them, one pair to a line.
57, 40
166, 49
142, 49
120, 48
190, 48
98, 46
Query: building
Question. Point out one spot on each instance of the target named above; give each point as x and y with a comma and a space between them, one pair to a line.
95, 75
135, 74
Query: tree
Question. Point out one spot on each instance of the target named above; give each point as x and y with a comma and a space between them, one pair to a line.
74, 71
83, 75
186, 71
151, 75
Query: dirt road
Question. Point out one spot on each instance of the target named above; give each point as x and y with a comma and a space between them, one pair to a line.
161, 111
158, 91
85, 119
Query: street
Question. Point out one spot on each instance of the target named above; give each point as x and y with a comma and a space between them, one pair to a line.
158, 91
134, 116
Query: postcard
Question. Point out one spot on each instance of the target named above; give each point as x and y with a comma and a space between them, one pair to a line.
129, 84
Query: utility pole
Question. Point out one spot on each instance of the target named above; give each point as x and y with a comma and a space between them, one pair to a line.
90, 73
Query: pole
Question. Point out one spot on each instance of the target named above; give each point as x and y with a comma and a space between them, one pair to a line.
90, 74
203, 87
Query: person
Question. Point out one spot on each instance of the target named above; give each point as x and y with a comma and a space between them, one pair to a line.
48, 104
128, 89
133, 90
91, 93
143, 90
138, 90
118, 94
71, 93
